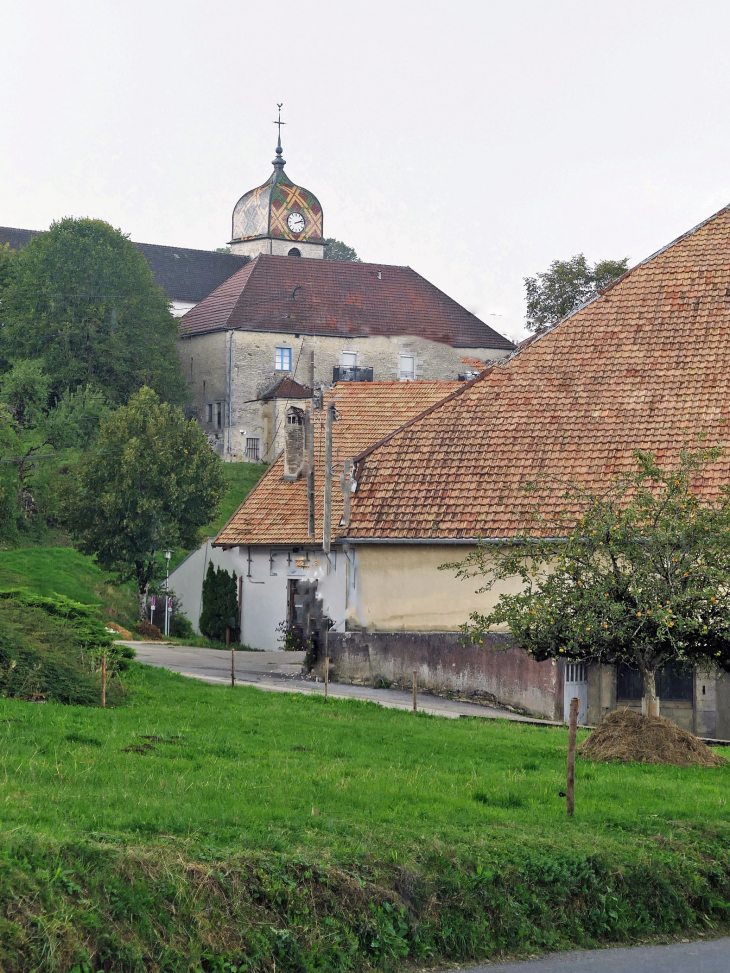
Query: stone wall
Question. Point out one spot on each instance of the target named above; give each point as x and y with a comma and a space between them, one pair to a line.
247, 360
445, 665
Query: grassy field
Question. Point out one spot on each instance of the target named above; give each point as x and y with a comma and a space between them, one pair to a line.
332, 836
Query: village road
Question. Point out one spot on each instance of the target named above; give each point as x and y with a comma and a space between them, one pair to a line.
280, 672
712, 956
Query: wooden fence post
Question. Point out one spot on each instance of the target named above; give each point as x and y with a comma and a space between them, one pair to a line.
233, 657
572, 731
415, 690
103, 681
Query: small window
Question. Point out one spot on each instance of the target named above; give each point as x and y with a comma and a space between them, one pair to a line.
219, 414
210, 412
294, 418
253, 449
349, 359
407, 368
283, 359
294, 252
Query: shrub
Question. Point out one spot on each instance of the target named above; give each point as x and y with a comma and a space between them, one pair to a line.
181, 627
148, 630
220, 604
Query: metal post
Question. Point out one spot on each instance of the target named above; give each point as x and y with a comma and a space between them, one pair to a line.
168, 555
415, 690
309, 431
327, 525
326, 662
572, 731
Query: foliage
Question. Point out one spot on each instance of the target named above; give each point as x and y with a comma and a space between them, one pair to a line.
25, 388
149, 481
223, 250
52, 648
7, 263
251, 827
219, 609
76, 418
9, 485
640, 578
82, 302
337, 250
565, 286
148, 630
181, 627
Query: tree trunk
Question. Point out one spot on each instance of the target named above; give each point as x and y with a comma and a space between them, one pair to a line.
142, 594
651, 703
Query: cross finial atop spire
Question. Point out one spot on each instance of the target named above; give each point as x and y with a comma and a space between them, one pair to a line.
278, 162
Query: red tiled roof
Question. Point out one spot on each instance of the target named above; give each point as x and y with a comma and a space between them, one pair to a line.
337, 297
287, 388
275, 512
645, 365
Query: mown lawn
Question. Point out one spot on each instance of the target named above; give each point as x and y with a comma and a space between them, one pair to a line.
414, 810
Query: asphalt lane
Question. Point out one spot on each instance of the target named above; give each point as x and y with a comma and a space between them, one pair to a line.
711, 956
280, 672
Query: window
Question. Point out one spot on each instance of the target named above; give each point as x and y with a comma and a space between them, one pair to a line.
253, 449
294, 418
407, 368
210, 412
294, 252
219, 414
349, 359
283, 359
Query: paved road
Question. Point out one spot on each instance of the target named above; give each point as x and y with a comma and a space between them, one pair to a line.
712, 956
281, 672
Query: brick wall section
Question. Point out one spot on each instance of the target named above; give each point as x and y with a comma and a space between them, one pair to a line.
445, 665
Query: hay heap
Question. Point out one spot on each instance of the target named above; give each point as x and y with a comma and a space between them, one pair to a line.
625, 736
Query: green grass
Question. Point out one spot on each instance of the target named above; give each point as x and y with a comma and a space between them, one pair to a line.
284, 816
64, 571
242, 478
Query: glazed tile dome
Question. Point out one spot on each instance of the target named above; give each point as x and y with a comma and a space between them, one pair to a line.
264, 212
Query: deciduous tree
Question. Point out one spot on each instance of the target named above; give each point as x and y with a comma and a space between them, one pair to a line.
82, 302
565, 285
337, 250
149, 481
639, 576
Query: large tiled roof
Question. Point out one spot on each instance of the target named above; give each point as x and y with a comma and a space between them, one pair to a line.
183, 274
645, 365
190, 275
338, 297
276, 511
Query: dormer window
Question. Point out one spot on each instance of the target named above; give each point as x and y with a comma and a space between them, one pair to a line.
283, 360
407, 368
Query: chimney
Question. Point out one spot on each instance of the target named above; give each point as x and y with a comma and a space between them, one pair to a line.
294, 454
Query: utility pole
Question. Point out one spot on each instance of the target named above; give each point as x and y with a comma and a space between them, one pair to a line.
346, 491
327, 525
168, 555
309, 433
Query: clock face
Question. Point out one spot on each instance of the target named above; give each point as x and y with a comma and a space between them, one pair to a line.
295, 222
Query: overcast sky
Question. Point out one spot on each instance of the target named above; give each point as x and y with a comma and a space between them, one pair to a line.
473, 141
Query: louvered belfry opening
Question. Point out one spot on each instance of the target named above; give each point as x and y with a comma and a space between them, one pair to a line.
294, 453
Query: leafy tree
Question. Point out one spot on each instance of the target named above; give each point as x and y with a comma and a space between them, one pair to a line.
640, 579
82, 302
25, 388
149, 481
220, 604
223, 250
76, 418
7, 257
9, 485
565, 285
337, 250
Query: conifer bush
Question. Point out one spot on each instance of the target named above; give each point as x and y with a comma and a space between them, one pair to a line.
220, 604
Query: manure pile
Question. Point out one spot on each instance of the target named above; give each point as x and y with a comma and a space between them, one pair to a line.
625, 736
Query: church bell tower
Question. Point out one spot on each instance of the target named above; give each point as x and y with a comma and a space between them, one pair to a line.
278, 217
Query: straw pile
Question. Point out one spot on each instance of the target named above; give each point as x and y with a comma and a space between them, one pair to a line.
625, 736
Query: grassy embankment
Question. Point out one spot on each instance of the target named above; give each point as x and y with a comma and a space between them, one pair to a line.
62, 570
267, 831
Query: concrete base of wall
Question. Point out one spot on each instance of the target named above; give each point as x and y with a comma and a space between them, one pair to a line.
443, 664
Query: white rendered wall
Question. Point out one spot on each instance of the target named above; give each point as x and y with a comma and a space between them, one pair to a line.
265, 583
280, 248
187, 579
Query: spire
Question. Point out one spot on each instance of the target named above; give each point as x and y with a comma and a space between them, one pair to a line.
278, 162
